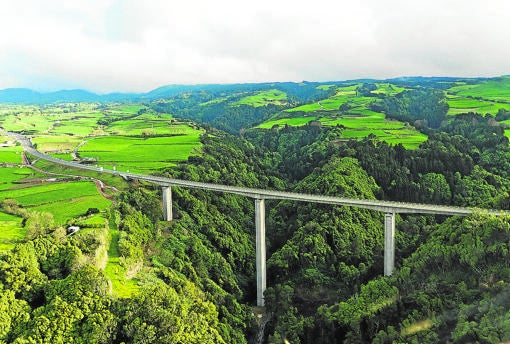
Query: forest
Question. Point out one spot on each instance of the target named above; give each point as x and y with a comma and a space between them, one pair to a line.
195, 275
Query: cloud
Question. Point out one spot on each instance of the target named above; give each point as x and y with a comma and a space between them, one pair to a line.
135, 45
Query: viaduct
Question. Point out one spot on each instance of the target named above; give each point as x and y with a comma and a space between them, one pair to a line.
389, 208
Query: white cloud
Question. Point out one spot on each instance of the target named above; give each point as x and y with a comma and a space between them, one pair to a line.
135, 45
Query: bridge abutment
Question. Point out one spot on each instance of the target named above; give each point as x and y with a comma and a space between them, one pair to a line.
389, 243
260, 254
167, 203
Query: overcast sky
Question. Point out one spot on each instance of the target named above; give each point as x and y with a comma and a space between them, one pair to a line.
138, 45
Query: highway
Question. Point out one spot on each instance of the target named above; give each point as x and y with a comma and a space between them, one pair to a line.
383, 206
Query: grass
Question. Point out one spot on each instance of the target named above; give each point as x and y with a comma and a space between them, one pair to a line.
121, 286
65, 200
497, 89
149, 126
11, 175
333, 103
459, 105
416, 327
263, 98
507, 133
388, 89
296, 122
11, 231
358, 121
324, 87
76, 126
138, 154
56, 143
11, 155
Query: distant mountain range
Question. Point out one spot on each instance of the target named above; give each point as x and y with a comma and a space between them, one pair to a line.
28, 96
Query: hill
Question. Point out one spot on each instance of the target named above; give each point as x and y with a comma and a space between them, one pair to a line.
130, 276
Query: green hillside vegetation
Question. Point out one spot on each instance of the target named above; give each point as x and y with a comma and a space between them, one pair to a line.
352, 111
387, 89
129, 277
459, 105
65, 200
139, 154
264, 98
497, 89
11, 231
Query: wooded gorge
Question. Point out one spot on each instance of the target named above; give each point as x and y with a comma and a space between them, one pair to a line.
195, 276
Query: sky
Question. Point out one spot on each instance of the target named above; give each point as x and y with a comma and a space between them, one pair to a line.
137, 45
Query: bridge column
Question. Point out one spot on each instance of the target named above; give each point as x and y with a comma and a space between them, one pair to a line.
260, 240
167, 203
389, 243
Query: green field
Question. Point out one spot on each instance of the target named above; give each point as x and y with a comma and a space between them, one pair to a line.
11, 155
149, 125
507, 133
34, 191
11, 176
56, 143
11, 231
342, 95
122, 287
138, 154
355, 116
263, 98
65, 200
77, 125
459, 105
295, 121
388, 89
497, 89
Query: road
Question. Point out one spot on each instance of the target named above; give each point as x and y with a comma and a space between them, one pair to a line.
383, 206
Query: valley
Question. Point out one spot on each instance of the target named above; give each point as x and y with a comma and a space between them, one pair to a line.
435, 141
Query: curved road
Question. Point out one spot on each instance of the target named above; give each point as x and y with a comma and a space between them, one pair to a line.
383, 206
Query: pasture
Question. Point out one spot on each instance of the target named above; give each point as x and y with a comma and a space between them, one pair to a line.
388, 89
139, 154
263, 98
333, 103
497, 89
459, 105
65, 200
358, 120
10, 155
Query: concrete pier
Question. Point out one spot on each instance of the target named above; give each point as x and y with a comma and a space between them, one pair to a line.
389, 243
167, 203
260, 239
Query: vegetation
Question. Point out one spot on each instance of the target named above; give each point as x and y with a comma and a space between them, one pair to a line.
127, 276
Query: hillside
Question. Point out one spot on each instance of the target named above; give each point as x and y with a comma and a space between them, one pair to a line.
128, 276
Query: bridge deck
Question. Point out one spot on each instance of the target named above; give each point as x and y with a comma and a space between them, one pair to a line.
383, 206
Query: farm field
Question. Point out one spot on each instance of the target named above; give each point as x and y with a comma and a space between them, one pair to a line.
263, 98
138, 154
388, 89
10, 155
357, 119
65, 200
342, 95
496, 89
459, 105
